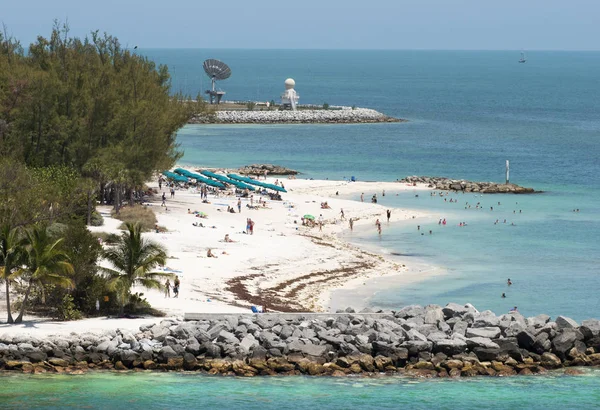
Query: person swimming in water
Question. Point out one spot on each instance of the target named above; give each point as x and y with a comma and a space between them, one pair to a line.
508, 282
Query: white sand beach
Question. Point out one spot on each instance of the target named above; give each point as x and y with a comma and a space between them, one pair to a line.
284, 266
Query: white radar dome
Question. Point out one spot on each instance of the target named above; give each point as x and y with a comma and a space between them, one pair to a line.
289, 83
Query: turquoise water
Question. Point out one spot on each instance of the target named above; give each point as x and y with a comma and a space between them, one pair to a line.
191, 391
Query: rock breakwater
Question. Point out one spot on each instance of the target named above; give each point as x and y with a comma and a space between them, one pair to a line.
447, 184
431, 341
334, 116
259, 169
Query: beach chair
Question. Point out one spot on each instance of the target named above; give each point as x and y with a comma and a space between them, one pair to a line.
353, 179
254, 309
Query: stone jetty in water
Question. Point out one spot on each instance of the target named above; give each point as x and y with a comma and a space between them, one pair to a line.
340, 115
259, 169
447, 184
431, 341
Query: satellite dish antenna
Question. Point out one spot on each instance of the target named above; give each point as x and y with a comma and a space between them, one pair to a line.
216, 70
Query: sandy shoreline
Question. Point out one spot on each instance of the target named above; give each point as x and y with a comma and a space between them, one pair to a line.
283, 265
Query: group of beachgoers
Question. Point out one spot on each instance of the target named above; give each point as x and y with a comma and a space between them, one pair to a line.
175, 287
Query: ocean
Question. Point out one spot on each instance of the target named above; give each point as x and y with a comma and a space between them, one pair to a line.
468, 112
194, 391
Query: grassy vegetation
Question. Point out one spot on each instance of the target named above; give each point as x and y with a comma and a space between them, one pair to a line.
137, 214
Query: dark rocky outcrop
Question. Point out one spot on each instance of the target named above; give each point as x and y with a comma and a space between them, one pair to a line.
431, 341
447, 184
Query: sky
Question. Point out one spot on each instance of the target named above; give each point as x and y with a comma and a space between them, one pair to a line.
319, 24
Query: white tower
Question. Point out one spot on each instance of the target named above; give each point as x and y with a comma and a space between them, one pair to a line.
289, 98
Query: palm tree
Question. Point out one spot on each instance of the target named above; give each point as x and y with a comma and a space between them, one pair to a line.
133, 259
10, 253
45, 263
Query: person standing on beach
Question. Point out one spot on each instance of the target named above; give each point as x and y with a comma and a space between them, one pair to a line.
351, 223
164, 199
239, 205
251, 200
251, 227
167, 289
173, 192
320, 222
342, 217
176, 284
362, 197
389, 215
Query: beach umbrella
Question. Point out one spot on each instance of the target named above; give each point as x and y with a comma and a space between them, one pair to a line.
308, 216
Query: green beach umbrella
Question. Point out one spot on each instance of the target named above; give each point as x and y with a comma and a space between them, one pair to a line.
307, 216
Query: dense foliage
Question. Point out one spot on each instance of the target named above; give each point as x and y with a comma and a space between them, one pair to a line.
82, 121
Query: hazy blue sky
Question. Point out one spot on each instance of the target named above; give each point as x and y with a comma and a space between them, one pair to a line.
397, 24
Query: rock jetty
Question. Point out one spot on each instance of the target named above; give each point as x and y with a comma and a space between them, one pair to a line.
447, 184
431, 341
344, 115
259, 169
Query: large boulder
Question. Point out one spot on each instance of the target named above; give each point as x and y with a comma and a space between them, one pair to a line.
483, 342
433, 315
454, 310
563, 322
416, 346
538, 321
526, 340
160, 333
460, 328
485, 354
449, 347
590, 328
564, 341
489, 332
410, 311
486, 319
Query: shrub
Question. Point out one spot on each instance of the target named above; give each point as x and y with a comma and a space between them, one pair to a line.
325, 106
137, 214
97, 219
67, 309
106, 237
250, 105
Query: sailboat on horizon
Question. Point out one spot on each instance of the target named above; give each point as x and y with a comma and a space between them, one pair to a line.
522, 59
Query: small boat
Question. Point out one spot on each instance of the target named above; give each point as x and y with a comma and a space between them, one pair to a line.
522, 59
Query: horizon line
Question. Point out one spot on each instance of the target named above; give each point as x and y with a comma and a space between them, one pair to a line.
362, 49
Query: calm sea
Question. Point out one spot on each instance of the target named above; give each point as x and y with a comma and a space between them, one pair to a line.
468, 113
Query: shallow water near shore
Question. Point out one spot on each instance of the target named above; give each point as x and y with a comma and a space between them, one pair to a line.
180, 390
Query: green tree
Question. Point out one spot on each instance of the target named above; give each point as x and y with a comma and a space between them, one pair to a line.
10, 254
133, 260
45, 263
